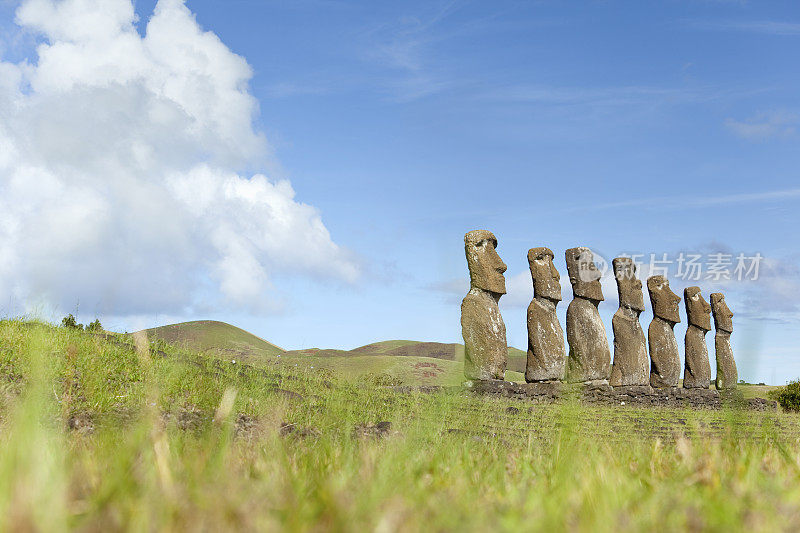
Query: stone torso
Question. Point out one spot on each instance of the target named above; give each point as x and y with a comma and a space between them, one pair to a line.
631, 363
485, 350
665, 361
589, 356
697, 373
546, 353
727, 375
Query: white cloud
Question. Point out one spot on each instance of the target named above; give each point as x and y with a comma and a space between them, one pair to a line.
765, 125
119, 169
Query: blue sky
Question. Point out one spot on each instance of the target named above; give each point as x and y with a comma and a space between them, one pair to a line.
628, 127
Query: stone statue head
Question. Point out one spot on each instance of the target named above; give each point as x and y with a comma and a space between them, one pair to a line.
583, 274
723, 317
629, 286
485, 266
698, 312
665, 302
546, 279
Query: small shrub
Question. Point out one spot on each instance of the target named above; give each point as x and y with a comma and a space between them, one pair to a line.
70, 322
789, 396
95, 326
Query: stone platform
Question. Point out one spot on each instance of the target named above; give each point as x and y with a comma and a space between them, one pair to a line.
602, 393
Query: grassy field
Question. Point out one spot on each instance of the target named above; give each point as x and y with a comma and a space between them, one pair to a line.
98, 435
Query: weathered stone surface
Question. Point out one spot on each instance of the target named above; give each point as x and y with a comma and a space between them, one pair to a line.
583, 274
697, 370
547, 357
633, 395
597, 385
761, 404
631, 362
288, 429
539, 390
665, 360
485, 349
589, 355
727, 375
375, 431
486, 269
634, 390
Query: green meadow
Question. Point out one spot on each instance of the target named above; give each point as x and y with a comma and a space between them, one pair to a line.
123, 432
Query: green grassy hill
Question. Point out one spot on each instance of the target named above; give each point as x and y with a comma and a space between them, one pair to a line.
403, 348
408, 362
436, 350
215, 338
401, 361
394, 361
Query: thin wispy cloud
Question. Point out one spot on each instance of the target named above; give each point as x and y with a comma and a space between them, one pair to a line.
405, 49
765, 125
769, 27
692, 202
625, 95
612, 96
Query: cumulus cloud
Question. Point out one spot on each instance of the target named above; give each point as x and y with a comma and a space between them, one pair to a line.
121, 158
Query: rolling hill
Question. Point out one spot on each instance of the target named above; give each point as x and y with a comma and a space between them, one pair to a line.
404, 360
403, 348
216, 339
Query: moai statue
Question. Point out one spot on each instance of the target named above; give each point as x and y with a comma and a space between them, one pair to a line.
631, 363
727, 375
589, 356
697, 372
665, 361
485, 349
547, 357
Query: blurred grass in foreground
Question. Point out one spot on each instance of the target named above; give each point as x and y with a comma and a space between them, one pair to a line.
98, 435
